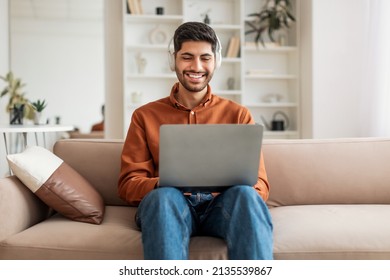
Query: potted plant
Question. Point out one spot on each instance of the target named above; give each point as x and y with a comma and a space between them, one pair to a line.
275, 15
18, 105
38, 106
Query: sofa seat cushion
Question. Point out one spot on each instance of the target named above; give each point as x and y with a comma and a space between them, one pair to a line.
117, 237
331, 232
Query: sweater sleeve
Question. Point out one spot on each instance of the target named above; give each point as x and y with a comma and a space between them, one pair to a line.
137, 174
262, 186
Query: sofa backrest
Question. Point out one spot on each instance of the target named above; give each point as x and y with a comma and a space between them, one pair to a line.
97, 160
336, 171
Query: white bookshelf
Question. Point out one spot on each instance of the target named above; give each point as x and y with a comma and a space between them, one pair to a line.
258, 72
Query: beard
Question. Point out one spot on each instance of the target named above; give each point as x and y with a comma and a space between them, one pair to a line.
194, 85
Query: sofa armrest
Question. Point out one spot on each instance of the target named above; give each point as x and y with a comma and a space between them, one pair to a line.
19, 207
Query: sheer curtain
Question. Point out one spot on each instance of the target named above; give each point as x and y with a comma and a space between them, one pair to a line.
375, 106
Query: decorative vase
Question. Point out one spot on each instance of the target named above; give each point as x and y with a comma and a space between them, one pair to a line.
16, 114
141, 63
38, 118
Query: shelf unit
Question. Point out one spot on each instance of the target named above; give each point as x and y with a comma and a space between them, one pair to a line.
265, 79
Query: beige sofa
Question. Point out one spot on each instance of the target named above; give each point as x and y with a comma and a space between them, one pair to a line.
330, 199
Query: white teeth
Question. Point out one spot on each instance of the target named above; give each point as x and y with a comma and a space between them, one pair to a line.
195, 76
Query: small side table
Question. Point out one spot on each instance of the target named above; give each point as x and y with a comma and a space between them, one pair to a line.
24, 129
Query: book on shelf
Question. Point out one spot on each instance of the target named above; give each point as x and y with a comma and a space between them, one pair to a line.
127, 8
229, 49
130, 4
135, 7
236, 50
233, 49
140, 8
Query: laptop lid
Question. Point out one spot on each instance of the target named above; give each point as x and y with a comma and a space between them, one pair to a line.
209, 157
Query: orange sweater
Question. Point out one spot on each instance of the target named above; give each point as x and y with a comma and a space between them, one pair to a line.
139, 161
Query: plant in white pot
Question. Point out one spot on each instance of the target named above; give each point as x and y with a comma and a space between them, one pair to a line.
38, 106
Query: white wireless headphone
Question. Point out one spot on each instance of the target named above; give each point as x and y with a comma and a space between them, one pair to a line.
171, 55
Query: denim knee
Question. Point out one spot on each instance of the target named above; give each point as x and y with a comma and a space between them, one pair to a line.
160, 202
241, 192
247, 200
163, 196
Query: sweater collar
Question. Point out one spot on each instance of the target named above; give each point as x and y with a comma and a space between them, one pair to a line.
205, 101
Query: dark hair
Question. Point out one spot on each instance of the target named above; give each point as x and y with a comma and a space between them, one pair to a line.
194, 31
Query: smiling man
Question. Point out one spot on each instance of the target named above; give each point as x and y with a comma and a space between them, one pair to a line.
166, 216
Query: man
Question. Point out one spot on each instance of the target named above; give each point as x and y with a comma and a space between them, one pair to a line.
99, 126
166, 216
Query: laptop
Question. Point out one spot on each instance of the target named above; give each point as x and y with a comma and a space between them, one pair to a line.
209, 157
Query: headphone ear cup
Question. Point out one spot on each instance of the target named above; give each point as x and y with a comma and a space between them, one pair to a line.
171, 61
171, 55
218, 55
218, 59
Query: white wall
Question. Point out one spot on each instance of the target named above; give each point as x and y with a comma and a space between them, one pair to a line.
4, 66
60, 58
58, 53
338, 53
113, 53
306, 65
4, 59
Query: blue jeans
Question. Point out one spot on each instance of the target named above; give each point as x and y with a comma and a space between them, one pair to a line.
239, 215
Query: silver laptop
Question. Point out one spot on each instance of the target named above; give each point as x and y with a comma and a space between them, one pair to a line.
209, 157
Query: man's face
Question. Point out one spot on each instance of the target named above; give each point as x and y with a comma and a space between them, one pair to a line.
194, 65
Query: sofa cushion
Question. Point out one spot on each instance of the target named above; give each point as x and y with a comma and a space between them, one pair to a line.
331, 232
117, 237
98, 161
328, 171
57, 184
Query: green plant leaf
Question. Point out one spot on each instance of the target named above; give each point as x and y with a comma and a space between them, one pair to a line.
251, 24
4, 92
290, 16
10, 76
274, 15
39, 105
271, 34
254, 15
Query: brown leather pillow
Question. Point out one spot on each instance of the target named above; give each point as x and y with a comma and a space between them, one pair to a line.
58, 185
